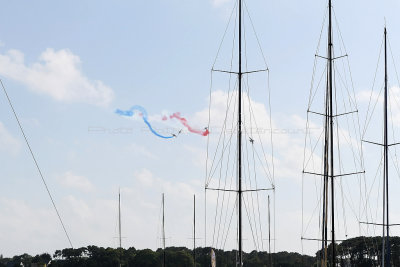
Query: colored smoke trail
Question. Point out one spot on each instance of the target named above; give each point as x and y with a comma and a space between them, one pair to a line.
176, 115
185, 123
143, 114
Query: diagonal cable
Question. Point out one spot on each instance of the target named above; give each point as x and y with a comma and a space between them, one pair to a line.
36, 163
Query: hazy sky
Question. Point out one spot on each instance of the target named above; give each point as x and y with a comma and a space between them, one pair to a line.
67, 67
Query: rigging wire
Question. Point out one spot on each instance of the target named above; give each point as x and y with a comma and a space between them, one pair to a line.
394, 97
251, 225
255, 33
225, 32
36, 163
304, 230
249, 138
229, 90
229, 225
341, 167
223, 136
367, 120
218, 193
349, 141
254, 166
209, 120
223, 148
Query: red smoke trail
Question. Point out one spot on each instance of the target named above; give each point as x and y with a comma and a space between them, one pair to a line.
177, 116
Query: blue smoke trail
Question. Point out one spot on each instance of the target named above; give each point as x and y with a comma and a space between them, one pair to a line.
130, 113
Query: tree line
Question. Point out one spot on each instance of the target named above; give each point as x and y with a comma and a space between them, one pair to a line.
175, 256
359, 251
364, 251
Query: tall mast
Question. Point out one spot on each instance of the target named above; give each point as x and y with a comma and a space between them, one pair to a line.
239, 136
119, 225
330, 85
329, 155
194, 230
269, 233
163, 230
386, 169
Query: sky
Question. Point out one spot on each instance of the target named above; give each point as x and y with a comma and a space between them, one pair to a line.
68, 66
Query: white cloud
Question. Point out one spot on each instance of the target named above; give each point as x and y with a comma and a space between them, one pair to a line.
142, 151
367, 96
23, 221
257, 125
8, 142
78, 207
57, 74
218, 3
373, 103
260, 118
197, 155
78, 182
145, 177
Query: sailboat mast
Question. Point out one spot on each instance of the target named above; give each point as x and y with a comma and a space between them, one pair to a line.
119, 225
194, 230
328, 154
269, 233
163, 230
119, 219
386, 159
239, 136
330, 85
